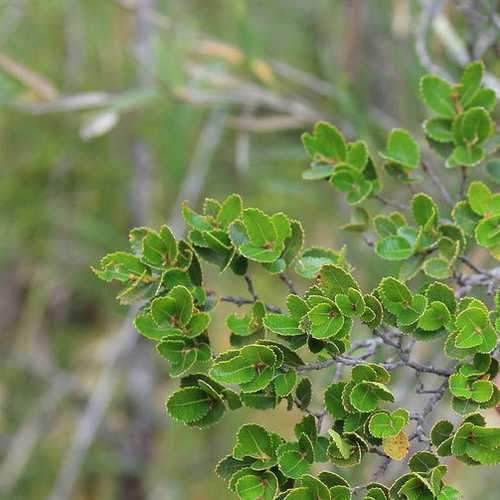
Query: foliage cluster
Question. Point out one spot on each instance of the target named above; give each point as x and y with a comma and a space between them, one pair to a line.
273, 350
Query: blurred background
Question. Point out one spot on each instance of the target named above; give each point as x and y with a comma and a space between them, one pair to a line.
115, 111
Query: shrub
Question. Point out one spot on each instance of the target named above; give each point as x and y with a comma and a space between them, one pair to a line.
438, 294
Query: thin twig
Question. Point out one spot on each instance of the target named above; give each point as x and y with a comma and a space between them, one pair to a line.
390, 203
251, 288
243, 301
289, 283
437, 182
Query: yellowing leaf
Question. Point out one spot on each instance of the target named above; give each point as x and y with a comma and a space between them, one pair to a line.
396, 446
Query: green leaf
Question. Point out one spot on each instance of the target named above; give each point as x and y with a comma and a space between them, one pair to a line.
374, 313
479, 366
342, 446
175, 309
448, 493
423, 462
471, 81
285, 383
479, 196
326, 320
189, 405
334, 279
488, 232
147, 327
297, 306
395, 295
394, 248
417, 489
333, 400
229, 466
282, 226
303, 493
439, 129
437, 94
441, 431
401, 148
340, 493
181, 355
318, 172
160, 250
467, 156
198, 324
363, 372
259, 227
424, 209
465, 217
268, 254
357, 155
482, 390
326, 143
230, 210
331, 479
437, 267
385, 226
470, 324
282, 325
484, 98
442, 293
257, 487
293, 245
350, 304
476, 126
194, 220
366, 395
318, 489
480, 444
312, 259
240, 326
303, 392
237, 370
121, 266
383, 425
292, 460
459, 386
414, 311
435, 317
254, 441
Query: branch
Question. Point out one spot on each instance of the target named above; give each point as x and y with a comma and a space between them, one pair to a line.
24, 442
289, 283
389, 203
243, 301
199, 167
488, 280
426, 167
96, 408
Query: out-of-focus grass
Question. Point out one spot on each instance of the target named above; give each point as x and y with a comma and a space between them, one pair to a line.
65, 202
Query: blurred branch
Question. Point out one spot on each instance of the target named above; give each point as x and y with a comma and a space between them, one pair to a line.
125, 341
40, 85
431, 16
198, 169
427, 168
30, 431
429, 11
97, 406
78, 102
14, 11
135, 452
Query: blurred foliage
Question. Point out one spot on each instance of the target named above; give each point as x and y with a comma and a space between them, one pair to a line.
67, 185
